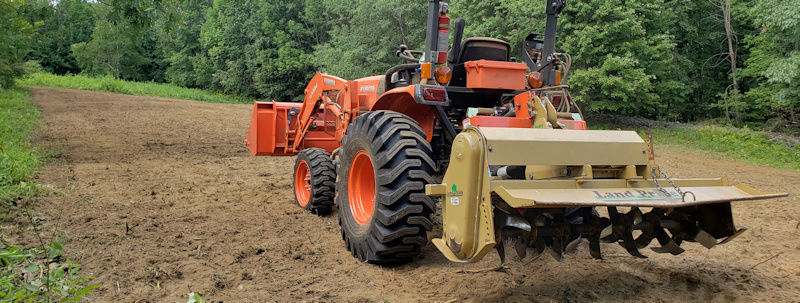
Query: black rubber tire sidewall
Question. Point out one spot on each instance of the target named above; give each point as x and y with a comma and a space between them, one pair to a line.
358, 231
323, 180
401, 160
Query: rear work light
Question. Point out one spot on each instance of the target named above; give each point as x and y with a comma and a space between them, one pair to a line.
431, 95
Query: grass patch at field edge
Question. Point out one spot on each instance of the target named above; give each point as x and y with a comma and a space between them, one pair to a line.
742, 144
18, 159
109, 84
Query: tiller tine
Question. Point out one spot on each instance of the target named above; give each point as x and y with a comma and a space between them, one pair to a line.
734, 235
705, 239
501, 252
594, 248
521, 247
622, 226
539, 247
667, 244
573, 245
556, 249
592, 228
651, 222
607, 235
630, 245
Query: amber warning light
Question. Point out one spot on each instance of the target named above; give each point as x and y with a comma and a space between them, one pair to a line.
535, 80
443, 74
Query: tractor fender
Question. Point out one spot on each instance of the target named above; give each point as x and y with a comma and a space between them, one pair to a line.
401, 100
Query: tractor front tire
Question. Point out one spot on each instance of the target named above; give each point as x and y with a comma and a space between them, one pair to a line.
385, 163
314, 181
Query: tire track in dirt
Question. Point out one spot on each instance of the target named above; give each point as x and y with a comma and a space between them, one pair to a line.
161, 198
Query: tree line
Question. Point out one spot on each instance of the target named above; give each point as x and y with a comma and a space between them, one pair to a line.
733, 61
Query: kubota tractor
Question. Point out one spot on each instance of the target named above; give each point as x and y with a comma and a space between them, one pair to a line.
498, 144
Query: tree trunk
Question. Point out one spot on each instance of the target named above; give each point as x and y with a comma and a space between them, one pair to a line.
725, 5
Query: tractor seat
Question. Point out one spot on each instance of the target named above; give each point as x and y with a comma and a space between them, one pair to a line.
477, 48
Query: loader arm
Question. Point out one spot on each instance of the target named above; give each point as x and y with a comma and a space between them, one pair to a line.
315, 95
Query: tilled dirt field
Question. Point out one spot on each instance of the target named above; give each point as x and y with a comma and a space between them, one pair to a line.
160, 198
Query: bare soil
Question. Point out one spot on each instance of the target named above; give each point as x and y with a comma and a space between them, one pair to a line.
160, 198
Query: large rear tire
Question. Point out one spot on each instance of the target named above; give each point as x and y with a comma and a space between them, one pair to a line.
314, 181
383, 210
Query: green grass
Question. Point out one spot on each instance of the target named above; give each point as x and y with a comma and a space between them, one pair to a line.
744, 145
109, 84
18, 160
41, 274
738, 144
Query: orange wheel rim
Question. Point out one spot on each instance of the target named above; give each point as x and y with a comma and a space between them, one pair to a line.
302, 183
361, 188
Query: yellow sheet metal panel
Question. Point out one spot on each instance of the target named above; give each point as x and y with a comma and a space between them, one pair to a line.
630, 197
468, 223
529, 146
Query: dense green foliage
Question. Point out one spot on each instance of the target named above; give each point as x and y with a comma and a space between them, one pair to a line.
363, 40
662, 59
109, 84
70, 22
112, 52
257, 48
774, 62
180, 47
628, 75
15, 34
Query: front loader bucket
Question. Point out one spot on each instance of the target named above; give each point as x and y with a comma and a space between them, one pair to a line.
269, 130
542, 188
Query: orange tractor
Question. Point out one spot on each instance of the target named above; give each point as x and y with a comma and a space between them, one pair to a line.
498, 145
